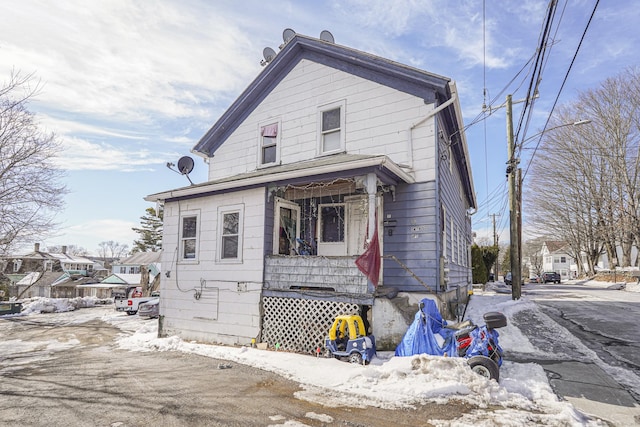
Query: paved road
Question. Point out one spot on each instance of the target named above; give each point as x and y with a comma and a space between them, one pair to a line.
73, 375
599, 321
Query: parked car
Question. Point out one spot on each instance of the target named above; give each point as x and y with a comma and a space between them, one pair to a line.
10, 307
150, 308
534, 279
550, 276
507, 279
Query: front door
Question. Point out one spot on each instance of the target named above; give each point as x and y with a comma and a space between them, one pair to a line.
332, 232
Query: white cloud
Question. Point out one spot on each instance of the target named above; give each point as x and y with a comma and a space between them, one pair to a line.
80, 154
124, 59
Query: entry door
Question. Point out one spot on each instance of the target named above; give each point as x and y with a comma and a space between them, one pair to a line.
287, 229
358, 218
332, 230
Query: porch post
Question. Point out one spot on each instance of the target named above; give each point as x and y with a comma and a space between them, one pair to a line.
372, 188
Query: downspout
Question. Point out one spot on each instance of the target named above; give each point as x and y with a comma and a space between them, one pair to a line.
431, 113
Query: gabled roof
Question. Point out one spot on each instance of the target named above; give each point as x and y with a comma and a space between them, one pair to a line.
401, 77
123, 279
556, 246
40, 279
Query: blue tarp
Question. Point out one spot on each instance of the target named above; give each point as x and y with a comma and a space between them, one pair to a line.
481, 337
427, 335
421, 336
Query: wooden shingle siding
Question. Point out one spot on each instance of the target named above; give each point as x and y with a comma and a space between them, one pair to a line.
339, 273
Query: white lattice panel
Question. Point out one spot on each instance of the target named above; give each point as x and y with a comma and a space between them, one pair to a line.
300, 325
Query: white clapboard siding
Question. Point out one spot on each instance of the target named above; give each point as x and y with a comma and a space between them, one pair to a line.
210, 299
378, 121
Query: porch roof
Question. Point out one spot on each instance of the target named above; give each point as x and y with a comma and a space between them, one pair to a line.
339, 163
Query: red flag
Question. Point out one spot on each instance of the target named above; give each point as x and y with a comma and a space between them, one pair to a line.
369, 262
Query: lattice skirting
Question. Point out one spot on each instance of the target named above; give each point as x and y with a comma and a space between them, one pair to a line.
300, 325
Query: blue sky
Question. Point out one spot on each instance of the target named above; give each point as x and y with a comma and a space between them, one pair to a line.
129, 86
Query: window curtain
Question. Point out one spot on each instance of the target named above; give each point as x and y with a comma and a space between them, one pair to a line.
270, 131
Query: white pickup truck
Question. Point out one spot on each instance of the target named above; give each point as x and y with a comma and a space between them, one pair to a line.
132, 300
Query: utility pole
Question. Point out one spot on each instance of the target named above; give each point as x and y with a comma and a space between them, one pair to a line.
514, 221
495, 235
495, 244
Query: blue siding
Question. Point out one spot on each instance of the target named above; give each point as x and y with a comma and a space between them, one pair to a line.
414, 239
450, 183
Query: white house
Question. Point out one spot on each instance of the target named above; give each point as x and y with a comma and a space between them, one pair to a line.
139, 269
328, 151
556, 257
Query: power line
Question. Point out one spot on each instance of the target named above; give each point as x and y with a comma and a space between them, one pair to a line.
564, 81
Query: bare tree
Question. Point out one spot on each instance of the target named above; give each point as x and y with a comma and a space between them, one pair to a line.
532, 251
584, 180
30, 189
112, 250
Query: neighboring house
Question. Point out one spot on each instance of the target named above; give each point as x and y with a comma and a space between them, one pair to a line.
556, 257
329, 150
51, 275
139, 269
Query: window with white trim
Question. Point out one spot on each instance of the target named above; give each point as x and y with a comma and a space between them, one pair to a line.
443, 222
189, 236
269, 147
331, 132
230, 220
453, 241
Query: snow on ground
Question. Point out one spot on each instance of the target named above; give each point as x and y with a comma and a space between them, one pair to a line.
522, 397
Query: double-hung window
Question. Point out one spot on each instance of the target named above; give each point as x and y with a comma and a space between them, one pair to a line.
189, 237
269, 146
331, 128
230, 233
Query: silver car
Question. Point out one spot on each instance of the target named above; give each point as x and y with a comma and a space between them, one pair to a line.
150, 308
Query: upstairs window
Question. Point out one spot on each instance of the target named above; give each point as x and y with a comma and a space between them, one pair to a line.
331, 135
269, 150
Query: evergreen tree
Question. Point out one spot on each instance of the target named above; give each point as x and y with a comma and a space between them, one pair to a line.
150, 232
483, 258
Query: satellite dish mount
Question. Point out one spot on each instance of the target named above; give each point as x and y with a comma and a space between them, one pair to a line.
185, 166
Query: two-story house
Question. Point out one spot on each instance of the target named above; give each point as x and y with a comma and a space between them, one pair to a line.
556, 257
329, 151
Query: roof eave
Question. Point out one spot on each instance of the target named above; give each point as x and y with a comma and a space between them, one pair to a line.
381, 161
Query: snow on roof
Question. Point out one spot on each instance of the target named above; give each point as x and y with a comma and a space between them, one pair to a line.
141, 258
556, 245
121, 278
71, 258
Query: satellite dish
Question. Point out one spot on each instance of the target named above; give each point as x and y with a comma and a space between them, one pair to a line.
185, 165
287, 35
327, 36
268, 54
